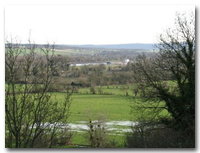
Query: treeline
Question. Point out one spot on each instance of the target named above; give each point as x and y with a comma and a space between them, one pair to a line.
101, 75
106, 55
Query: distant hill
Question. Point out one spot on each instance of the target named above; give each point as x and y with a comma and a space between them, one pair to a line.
118, 46
139, 46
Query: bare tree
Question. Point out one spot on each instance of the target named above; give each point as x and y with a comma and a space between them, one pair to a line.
171, 74
97, 134
32, 114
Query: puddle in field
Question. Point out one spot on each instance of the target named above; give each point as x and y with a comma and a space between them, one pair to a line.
117, 126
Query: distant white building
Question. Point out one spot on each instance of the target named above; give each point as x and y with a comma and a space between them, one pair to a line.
126, 61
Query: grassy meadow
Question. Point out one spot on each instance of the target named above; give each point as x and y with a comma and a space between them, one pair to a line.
89, 106
109, 104
113, 105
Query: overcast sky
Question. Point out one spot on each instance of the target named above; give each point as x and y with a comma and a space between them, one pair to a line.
90, 24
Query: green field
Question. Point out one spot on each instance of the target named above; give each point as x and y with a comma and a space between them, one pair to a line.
88, 106
112, 104
112, 107
71, 52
